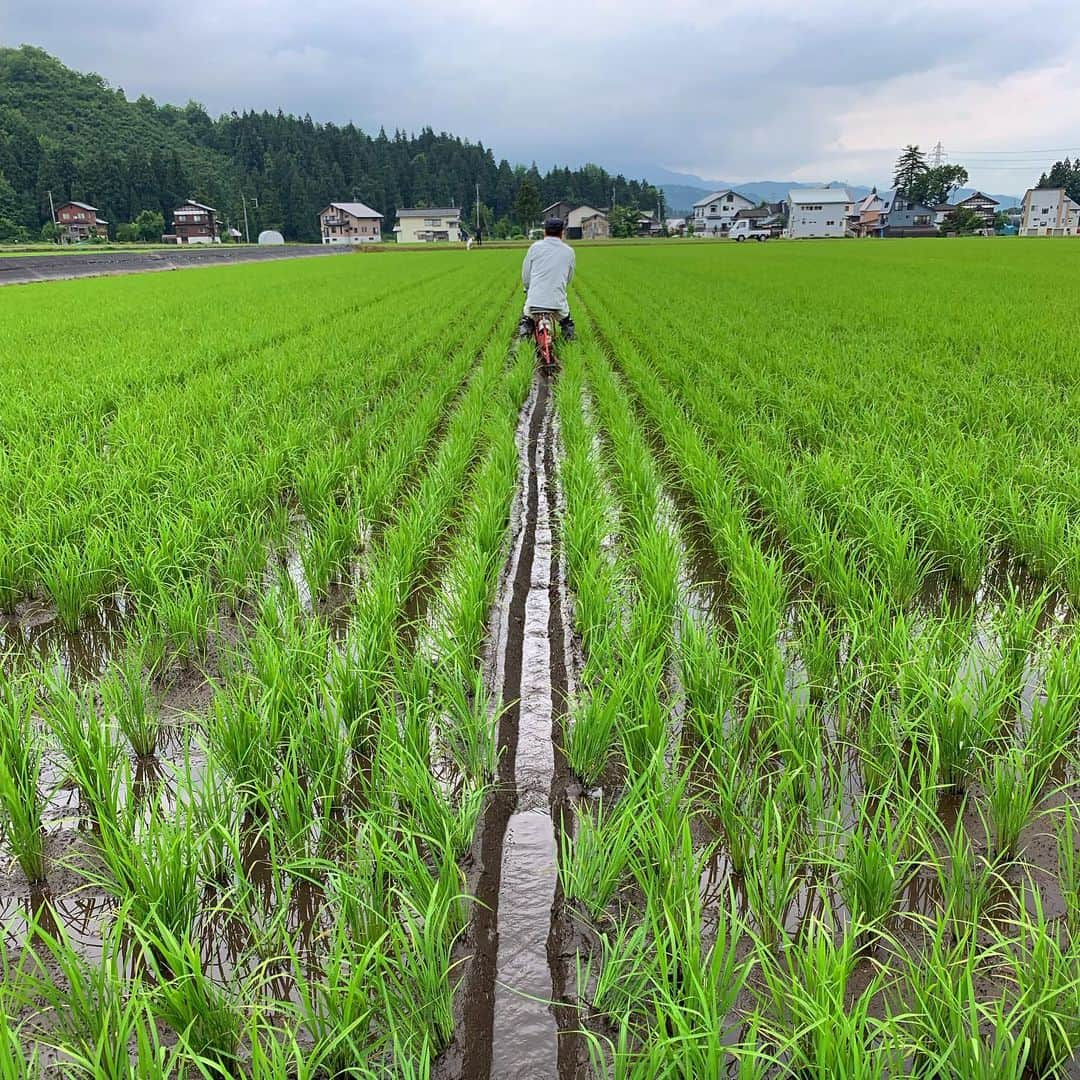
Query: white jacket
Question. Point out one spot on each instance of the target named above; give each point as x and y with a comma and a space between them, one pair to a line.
546, 272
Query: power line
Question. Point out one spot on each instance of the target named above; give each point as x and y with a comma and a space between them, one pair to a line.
1024, 153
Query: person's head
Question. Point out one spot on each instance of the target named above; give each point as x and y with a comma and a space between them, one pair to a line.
553, 227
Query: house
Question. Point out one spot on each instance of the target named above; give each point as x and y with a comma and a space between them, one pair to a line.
982, 205
428, 225
79, 221
901, 216
585, 223
648, 224
350, 223
820, 212
195, 223
941, 212
714, 214
561, 210
1049, 212
676, 226
865, 219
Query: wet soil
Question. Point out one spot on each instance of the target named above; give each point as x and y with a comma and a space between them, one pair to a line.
514, 1016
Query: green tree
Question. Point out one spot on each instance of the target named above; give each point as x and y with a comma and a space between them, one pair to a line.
50, 231
936, 185
962, 221
149, 225
527, 204
910, 165
623, 221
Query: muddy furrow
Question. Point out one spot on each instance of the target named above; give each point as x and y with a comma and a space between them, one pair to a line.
505, 1024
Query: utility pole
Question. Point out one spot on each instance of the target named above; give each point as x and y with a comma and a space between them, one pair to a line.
52, 212
478, 206
247, 235
937, 155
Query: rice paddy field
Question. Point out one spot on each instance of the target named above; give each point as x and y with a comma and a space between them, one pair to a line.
372, 707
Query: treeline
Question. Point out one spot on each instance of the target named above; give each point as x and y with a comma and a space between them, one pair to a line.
76, 136
1064, 174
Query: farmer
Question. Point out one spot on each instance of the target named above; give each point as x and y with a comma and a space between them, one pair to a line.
547, 271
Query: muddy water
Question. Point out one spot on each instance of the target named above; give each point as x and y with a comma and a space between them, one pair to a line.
507, 1003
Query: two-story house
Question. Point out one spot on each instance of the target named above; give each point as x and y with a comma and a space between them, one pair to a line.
195, 223
585, 223
714, 214
350, 223
903, 216
1049, 212
818, 212
982, 205
79, 221
428, 225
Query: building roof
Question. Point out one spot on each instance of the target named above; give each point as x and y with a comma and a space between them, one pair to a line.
429, 211
979, 195
944, 208
357, 209
556, 205
80, 205
716, 196
819, 195
199, 205
579, 214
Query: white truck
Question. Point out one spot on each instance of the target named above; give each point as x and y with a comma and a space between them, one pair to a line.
744, 229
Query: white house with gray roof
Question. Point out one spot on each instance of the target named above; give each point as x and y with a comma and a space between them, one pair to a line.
428, 225
818, 212
714, 214
350, 223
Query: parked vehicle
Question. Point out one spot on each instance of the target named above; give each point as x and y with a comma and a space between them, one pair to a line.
744, 229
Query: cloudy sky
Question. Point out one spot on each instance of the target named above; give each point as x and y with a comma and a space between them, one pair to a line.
742, 90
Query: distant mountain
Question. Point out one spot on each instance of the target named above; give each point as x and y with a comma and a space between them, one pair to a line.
682, 190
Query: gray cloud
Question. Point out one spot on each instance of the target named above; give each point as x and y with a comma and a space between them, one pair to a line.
749, 89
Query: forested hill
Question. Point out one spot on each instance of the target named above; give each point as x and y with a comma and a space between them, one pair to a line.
82, 139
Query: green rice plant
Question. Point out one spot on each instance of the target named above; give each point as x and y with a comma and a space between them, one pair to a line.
75, 577
155, 874
329, 546
772, 877
21, 824
240, 563
1045, 972
819, 649
594, 865
961, 720
105, 1028
589, 741
15, 1062
207, 1021
950, 1028
245, 741
735, 800
187, 615
14, 571
93, 761
809, 1016
1017, 626
967, 881
671, 996
128, 698
1068, 861
467, 732
877, 863
708, 677
1013, 789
